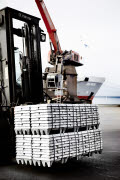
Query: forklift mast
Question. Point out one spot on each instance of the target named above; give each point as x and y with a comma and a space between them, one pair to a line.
31, 88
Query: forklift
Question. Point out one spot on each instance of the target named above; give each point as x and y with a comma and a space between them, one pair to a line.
21, 78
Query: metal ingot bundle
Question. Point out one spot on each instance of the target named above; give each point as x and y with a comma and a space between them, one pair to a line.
24, 148
56, 132
43, 118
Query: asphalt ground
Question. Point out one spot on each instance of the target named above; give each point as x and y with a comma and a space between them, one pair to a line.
97, 167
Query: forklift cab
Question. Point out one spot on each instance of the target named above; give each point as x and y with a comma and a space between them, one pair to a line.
29, 62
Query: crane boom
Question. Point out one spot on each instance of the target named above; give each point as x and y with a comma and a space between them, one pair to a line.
49, 25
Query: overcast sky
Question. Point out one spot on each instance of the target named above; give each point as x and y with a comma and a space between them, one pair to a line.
80, 22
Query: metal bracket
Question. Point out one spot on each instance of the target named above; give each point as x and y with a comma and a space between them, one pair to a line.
3, 60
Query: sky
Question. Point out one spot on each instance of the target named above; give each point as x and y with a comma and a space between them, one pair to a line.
89, 27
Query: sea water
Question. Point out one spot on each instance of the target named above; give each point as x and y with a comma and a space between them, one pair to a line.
106, 100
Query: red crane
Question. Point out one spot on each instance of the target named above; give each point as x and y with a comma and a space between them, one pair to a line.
49, 25
68, 56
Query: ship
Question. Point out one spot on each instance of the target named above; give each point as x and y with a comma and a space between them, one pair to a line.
87, 87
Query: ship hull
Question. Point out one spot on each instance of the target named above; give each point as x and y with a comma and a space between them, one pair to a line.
88, 87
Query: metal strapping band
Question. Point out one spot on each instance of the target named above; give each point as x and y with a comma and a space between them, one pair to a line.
78, 143
67, 115
61, 145
51, 115
82, 142
88, 140
75, 142
54, 146
30, 120
92, 115
73, 118
80, 116
100, 135
86, 116
97, 115
76, 119
59, 117
94, 140
69, 143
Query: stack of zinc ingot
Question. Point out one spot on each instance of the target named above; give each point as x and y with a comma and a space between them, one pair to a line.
59, 147
24, 148
45, 118
22, 119
58, 132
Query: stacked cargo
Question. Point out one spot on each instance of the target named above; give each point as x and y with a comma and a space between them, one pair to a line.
56, 132
24, 148
22, 119
44, 118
